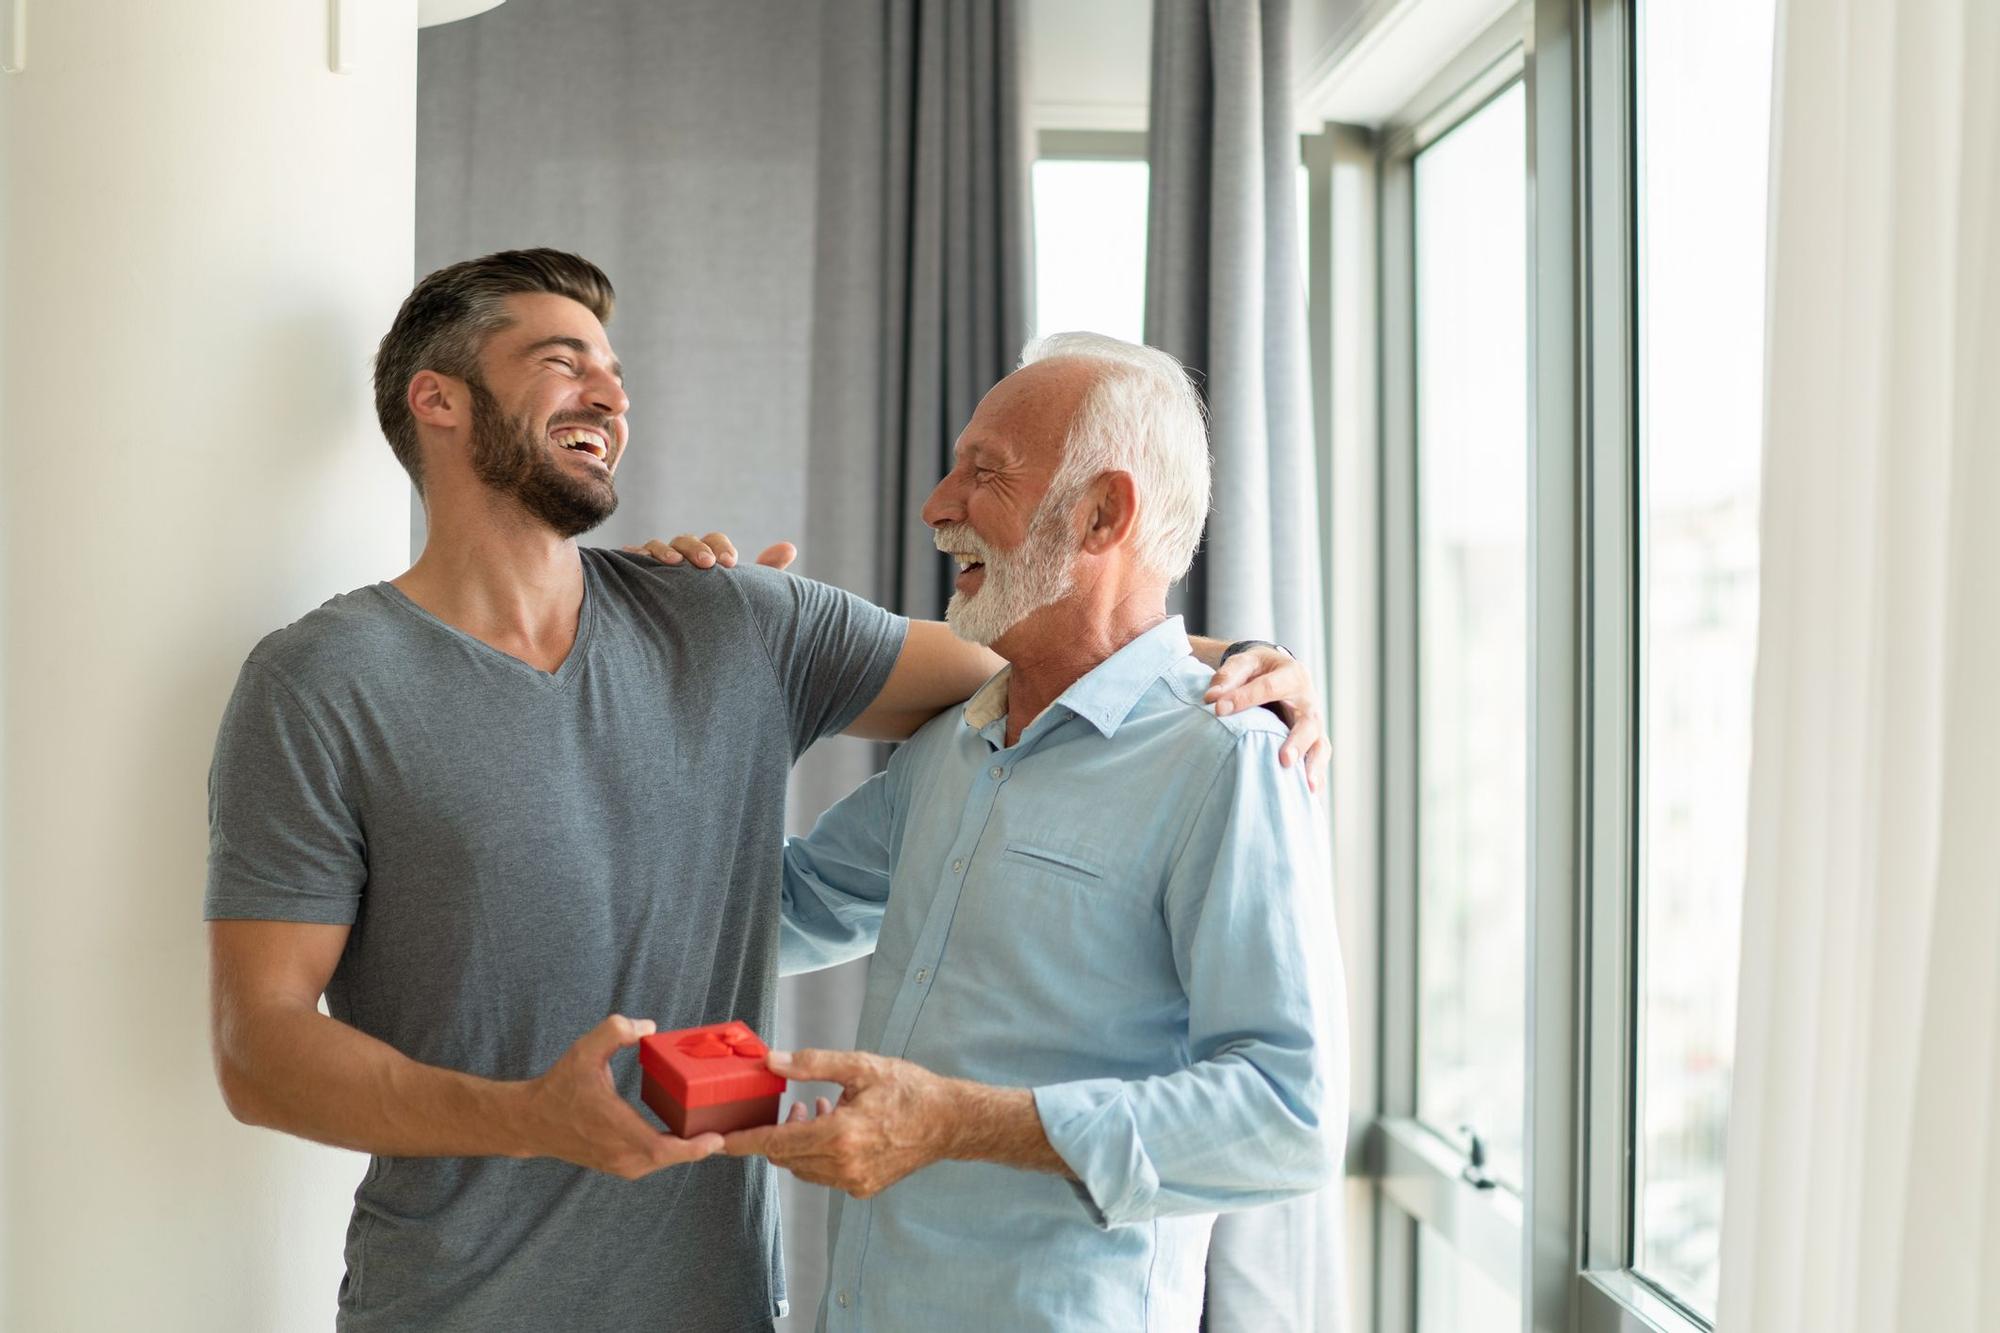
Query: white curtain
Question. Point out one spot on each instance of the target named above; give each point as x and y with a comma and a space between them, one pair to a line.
1863, 1189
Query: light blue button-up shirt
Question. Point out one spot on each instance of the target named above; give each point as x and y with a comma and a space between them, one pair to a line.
1126, 911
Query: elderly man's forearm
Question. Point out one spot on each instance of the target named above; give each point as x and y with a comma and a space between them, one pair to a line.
999, 1125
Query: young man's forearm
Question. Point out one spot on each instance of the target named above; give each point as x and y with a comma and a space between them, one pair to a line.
295, 1069
1207, 650
935, 671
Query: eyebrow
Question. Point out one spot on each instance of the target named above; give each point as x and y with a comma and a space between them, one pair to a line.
576, 345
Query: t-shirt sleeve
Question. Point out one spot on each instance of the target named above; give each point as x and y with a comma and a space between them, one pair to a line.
832, 651
283, 843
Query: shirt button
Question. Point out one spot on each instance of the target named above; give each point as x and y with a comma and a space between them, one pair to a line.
996, 772
840, 1298
958, 865
923, 975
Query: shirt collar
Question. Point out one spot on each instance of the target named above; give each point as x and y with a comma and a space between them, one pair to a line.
1107, 693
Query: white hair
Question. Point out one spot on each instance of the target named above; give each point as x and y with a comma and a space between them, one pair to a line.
1142, 416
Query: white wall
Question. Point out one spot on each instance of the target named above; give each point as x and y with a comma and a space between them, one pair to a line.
1089, 64
205, 231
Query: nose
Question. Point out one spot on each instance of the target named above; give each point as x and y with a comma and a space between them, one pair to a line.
607, 393
947, 502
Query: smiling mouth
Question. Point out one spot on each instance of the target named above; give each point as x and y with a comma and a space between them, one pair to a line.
580, 440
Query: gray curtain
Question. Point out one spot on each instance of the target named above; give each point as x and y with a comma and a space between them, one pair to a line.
921, 297
675, 145
816, 216
1225, 294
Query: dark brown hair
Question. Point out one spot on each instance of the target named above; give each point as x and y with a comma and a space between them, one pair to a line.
447, 318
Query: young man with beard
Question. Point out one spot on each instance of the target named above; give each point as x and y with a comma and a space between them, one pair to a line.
1102, 1005
495, 805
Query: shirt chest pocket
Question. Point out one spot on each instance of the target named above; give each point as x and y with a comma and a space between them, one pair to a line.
1050, 924
1043, 860
1077, 885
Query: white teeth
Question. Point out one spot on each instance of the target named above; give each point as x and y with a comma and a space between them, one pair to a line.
581, 439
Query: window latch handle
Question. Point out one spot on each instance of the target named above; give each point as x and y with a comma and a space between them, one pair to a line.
1474, 1172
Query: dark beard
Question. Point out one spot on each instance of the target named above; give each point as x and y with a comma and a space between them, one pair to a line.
510, 457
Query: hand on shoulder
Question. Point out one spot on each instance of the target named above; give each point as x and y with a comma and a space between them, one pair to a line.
712, 550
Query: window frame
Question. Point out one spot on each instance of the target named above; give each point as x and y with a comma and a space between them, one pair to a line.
1565, 1244
1080, 145
1421, 1173
1341, 324
1091, 145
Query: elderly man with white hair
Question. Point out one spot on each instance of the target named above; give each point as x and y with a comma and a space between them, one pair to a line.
1098, 1010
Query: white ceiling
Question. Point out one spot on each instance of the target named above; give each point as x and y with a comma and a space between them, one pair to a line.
1090, 60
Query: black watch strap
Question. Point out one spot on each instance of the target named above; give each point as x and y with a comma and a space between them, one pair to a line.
1245, 645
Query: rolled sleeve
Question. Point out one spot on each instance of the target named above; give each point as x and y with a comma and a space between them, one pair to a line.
1091, 1126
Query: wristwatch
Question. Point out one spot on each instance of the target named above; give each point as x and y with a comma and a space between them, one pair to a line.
1245, 645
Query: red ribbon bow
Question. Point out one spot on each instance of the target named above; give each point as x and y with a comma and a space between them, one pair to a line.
717, 1045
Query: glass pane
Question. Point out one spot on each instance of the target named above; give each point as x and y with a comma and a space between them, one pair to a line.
1090, 247
1472, 497
1704, 112
1455, 1297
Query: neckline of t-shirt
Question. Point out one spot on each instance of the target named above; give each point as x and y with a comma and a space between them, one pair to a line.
585, 618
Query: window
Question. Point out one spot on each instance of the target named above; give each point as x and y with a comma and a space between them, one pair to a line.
1704, 80
1472, 491
1450, 489
1090, 193
1567, 264
1090, 236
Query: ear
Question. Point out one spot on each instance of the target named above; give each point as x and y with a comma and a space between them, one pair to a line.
439, 400
1112, 510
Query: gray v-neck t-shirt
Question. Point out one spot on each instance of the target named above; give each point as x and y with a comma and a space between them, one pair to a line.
518, 854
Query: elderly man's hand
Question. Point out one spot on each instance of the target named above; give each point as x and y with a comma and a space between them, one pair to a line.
714, 549
894, 1118
1264, 675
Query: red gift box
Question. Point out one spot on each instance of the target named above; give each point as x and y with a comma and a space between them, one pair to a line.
709, 1080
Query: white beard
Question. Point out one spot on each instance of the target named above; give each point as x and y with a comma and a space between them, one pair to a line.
1018, 583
